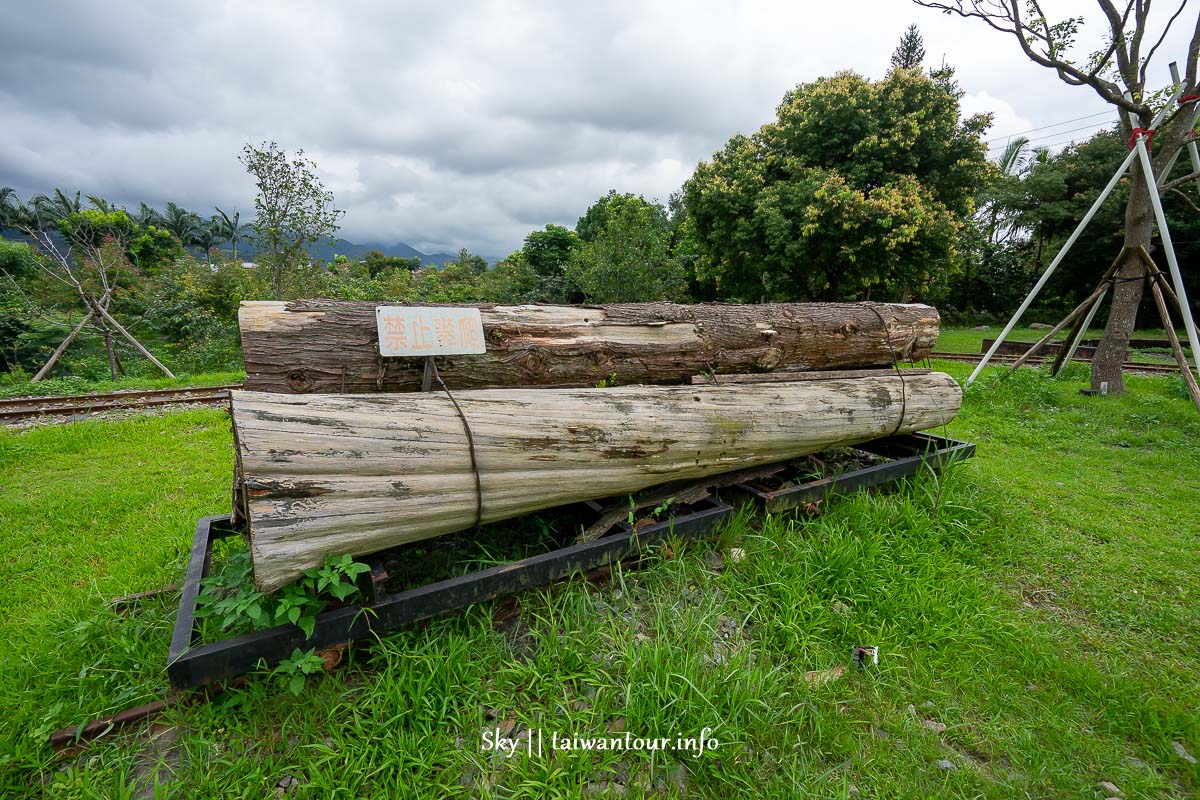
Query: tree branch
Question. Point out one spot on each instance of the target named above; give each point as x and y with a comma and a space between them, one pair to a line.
1154, 49
1185, 197
1169, 185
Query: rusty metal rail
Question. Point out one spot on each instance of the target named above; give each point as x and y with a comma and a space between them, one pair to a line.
1128, 366
15, 409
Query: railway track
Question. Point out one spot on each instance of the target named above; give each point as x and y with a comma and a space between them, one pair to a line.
20, 408
1128, 366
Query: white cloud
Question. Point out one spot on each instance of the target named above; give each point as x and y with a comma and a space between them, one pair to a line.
457, 124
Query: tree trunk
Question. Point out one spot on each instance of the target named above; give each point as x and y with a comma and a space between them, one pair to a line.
1127, 293
108, 348
321, 475
331, 346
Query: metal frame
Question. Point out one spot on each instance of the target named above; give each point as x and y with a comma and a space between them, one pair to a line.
190, 665
911, 453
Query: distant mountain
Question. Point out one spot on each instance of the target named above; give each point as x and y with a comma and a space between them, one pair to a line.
324, 251
355, 252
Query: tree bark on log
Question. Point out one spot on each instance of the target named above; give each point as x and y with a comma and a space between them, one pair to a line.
332, 346
331, 474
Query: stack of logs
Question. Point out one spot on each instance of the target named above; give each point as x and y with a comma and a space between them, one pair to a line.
337, 451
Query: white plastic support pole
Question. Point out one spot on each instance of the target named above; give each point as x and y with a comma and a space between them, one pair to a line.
1164, 233
1191, 145
1037, 287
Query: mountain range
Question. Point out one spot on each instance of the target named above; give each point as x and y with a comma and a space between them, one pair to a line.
324, 250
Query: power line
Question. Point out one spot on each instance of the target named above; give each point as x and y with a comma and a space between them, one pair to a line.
1047, 136
1053, 125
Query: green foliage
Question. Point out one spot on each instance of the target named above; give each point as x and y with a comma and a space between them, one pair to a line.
513, 280
857, 190
231, 602
626, 256
293, 671
377, 263
293, 210
16, 259
151, 248
92, 227
545, 255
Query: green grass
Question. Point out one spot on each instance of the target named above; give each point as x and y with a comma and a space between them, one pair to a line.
969, 340
1038, 601
21, 386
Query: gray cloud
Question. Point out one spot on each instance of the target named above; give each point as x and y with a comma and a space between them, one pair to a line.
448, 125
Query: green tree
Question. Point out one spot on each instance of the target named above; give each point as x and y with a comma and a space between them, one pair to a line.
91, 227
293, 210
858, 190
628, 256
911, 51
513, 280
152, 247
377, 263
469, 263
546, 253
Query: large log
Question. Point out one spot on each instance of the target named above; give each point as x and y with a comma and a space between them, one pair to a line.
332, 346
331, 474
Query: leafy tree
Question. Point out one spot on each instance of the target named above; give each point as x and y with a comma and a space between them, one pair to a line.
16, 259
513, 280
595, 219
911, 51
1117, 73
152, 247
377, 263
857, 190
470, 263
91, 227
545, 254
627, 257
293, 210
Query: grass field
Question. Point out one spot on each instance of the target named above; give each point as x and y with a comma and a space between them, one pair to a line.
1039, 602
970, 340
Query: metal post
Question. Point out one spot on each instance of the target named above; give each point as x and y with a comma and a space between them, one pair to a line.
1037, 287
427, 377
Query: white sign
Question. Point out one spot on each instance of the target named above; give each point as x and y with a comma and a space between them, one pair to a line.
429, 331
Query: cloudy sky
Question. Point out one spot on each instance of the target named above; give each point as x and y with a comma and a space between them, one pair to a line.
456, 124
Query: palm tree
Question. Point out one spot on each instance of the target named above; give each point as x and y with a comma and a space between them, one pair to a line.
99, 203
229, 229
146, 216
9, 205
52, 208
179, 221
204, 234
1015, 158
